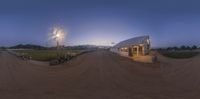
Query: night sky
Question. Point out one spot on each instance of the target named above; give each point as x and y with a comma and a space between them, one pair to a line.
100, 22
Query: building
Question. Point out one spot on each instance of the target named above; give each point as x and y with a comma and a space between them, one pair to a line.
138, 46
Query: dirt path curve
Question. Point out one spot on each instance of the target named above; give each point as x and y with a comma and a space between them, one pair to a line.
184, 73
96, 75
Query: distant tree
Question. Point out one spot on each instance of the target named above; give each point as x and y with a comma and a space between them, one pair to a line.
175, 48
27, 46
160, 49
194, 47
188, 48
169, 48
3, 48
183, 47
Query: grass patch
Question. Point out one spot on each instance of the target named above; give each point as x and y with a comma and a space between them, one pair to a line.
47, 55
179, 54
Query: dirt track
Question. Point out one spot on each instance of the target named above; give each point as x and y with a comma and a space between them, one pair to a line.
100, 75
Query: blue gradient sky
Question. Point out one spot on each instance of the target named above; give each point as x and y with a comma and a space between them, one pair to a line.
168, 22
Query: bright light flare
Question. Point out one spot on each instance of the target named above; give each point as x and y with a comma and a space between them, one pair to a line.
58, 34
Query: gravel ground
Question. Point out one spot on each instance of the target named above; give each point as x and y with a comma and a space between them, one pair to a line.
100, 75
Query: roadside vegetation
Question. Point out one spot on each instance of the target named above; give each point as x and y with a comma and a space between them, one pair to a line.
2, 48
182, 52
47, 55
52, 56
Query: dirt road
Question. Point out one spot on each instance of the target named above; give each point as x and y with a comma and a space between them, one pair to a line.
98, 75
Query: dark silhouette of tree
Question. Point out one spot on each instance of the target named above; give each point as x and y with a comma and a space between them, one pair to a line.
27, 46
183, 47
175, 48
3, 48
188, 48
194, 47
169, 48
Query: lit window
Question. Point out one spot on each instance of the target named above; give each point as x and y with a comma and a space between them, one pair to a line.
124, 49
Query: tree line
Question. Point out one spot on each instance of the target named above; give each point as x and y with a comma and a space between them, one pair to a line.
183, 47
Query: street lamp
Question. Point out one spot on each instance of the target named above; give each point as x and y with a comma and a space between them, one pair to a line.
57, 40
58, 35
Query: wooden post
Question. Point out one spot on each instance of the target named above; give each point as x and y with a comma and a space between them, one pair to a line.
58, 49
137, 50
130, 53
57, 45
143, 50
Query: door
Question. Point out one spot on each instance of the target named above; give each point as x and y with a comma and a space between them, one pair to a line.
140, 50
130, 52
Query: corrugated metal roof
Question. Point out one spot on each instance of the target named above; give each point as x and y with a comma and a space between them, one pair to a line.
132, 41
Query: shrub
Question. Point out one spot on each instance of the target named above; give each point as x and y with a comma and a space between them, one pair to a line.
179, 55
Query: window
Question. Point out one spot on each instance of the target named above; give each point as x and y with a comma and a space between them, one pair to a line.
124, 49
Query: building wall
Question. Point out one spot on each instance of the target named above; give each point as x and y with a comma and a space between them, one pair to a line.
116, 50
145, 50
125, 54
